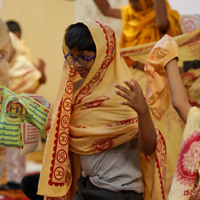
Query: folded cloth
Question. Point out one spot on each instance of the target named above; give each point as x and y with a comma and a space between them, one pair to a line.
15, 109
157, 87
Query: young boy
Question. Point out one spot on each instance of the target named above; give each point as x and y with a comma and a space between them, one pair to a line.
89, 120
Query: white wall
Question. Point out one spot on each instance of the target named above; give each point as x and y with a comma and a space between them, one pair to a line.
186, 6
43, 23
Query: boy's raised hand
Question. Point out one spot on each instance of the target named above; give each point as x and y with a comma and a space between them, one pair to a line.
133, 95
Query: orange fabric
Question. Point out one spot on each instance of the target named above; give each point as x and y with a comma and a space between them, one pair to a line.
158, 93
159, 100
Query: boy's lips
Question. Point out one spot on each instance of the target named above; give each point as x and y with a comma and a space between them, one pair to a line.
81, 71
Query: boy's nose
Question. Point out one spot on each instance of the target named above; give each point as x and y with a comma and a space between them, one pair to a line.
77, 64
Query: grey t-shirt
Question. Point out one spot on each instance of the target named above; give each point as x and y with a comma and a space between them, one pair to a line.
115, 169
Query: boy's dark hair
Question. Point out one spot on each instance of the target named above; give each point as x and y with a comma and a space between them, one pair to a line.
79, 36
13, 26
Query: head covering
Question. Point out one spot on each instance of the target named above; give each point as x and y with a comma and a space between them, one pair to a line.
141, 28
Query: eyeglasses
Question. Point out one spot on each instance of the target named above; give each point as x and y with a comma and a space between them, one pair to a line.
82, 60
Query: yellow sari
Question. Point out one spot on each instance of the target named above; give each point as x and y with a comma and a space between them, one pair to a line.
140, 27
92, 120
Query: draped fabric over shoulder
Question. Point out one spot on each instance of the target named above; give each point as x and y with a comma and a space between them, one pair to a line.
91, 120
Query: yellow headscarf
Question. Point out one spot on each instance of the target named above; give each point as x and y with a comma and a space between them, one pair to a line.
92, 119
140, 27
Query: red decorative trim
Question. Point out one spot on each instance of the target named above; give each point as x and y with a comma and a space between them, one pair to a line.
161, 161
188, 161
110, 37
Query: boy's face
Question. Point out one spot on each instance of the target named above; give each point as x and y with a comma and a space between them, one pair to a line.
83, 70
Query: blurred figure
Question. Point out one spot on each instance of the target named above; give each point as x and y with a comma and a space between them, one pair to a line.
25, 77
143, 21
5, 52
15, 28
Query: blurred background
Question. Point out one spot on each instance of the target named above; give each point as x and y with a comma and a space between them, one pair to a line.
43, 23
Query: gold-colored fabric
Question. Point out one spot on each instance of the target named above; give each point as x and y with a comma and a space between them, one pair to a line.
141, 28
24, 77
93, 120
159, 100
157, 87
3, 33
188, 45
191, 81
186, 183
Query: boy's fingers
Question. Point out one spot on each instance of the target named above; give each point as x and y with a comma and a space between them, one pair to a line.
124, 95
130, 85
123, 89
136, 84
125, 103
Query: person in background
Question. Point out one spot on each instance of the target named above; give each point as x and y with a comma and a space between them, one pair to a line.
5, 52
143, 21
24, 77
15, 28
185, 183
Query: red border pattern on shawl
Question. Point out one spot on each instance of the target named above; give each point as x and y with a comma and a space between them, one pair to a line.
110, 52
58, 175
161, 161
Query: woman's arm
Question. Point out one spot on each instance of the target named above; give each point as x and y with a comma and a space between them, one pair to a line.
135, 100
178, 94
107, 10
161, 15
